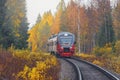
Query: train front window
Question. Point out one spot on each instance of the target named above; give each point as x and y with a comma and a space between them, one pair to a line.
66, 40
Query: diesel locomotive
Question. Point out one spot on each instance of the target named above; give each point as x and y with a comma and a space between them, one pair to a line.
62, 44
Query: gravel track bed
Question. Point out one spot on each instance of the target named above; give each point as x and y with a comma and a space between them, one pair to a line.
112, 72
117, 75
88, 72
67, 71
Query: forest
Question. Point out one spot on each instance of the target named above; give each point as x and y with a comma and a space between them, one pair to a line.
94, 24
96, 27
98, 23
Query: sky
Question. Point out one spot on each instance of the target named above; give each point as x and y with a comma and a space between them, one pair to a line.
35, 7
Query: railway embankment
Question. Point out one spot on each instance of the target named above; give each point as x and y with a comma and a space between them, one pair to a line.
110, 63
77, 69
67, 71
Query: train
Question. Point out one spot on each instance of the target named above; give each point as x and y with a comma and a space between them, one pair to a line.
62, 44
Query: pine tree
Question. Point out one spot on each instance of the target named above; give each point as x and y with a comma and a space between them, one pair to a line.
6, 36
2, 17
106, 32
38, 18
16, 12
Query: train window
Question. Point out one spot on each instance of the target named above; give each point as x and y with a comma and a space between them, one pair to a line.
66, 40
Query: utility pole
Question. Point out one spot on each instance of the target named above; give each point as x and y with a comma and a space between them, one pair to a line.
78, 26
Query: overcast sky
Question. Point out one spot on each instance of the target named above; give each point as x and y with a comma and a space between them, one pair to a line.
34, 7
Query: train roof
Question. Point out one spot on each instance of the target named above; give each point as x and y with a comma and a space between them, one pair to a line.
60, 33
64, 33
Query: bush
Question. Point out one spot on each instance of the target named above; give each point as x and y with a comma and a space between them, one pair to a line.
26, 65
44, 70
117, 48
87, 57
103, 52
97, 62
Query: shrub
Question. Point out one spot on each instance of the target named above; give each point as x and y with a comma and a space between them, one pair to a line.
97, 62
87, 57
117, 48
44, 70
104, 51
26, 65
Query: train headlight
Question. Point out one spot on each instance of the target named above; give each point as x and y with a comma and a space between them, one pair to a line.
62, 48
72, 48
66, 34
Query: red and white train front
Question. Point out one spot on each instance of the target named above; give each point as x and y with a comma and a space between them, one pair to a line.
62, 44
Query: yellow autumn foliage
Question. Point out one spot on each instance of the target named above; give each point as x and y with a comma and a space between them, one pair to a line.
40, 32
44, 66
86, 55
104, 57
27, 65
97, 62
117, 47
104, 51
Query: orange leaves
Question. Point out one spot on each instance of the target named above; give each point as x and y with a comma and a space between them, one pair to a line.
56, 25
72, 17
84, 23
58, 18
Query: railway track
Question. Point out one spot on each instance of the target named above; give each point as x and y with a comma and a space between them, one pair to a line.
89, 71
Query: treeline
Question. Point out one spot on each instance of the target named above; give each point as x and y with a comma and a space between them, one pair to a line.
98, 22
13, 24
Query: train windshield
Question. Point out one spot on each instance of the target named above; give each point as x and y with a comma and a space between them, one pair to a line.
66, 41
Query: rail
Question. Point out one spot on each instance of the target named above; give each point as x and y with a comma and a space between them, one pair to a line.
105, 72
77, 69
